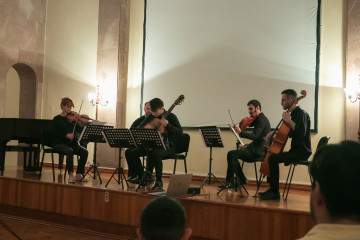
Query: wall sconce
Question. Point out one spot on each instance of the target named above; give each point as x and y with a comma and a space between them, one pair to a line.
96, 98
353, 92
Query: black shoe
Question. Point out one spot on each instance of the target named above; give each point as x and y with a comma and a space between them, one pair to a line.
262, 193
223, 185
270, 196
134, 180
157, 186
130, 177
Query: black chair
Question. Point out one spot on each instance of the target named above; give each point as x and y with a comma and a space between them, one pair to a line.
181, 149
47, 147
322, 142
260, 159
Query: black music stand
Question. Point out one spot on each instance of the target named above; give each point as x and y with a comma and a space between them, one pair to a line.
212, 138
147, 139
119, 138
93, 133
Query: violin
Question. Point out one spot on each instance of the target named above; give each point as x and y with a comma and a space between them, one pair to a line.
281, 136
156, 124
246, 121
75, 117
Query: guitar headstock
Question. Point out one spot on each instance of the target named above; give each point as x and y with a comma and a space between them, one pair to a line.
179, 100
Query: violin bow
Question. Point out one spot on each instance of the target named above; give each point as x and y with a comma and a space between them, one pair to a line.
82, 101
231, 118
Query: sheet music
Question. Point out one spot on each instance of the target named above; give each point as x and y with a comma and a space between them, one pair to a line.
236, 135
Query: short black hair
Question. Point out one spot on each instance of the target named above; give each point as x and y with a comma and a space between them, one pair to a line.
163, 219
290, 93
336, 168
254, 102
156, 103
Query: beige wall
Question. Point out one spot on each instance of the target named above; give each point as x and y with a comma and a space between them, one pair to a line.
331, 94
70, 55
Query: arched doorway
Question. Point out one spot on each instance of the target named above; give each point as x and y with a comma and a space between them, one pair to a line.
27, 102
20, 101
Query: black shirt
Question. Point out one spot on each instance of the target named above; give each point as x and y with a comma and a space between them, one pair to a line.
261, 128
61, 127
137, 122
173, 128
300, 142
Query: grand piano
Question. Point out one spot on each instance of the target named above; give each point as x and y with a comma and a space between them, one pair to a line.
24, 130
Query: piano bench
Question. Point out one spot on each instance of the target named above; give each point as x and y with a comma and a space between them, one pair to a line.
28, 165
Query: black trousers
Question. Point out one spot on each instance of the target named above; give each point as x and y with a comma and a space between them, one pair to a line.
132, 156
234, 166
155, 158
69, 152
284, 157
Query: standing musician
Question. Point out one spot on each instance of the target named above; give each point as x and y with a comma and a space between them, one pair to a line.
250, 152
133, 155
173, 129
65, 141
299, 122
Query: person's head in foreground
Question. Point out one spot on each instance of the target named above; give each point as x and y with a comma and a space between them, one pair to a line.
163, 219
335, 191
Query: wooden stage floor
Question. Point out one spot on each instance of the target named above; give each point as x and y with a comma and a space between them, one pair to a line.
211, 216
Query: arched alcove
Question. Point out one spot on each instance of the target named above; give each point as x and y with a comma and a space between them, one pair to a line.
27, 102
12, 101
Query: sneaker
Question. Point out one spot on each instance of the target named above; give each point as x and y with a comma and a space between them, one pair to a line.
72, 179
157, 186
79, 176
270, 196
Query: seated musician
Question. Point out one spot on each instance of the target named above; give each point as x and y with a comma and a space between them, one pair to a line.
173, 129
299, 122
250, 152
132, 155
66, 142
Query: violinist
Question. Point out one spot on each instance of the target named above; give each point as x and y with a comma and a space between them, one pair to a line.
132, 155
65, 141
250, 152
173, 128
299, 122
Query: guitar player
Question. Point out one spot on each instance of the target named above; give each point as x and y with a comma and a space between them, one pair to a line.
172, 128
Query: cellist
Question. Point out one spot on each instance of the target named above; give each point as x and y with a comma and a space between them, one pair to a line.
250, 152
299, 122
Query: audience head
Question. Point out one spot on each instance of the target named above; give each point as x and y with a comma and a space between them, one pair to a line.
163, 219
335, 191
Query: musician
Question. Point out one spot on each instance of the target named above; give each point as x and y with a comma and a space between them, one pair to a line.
132, 155
173, 127
299, 122
65, 140
250, 152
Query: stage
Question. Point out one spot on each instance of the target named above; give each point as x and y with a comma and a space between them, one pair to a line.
211, 216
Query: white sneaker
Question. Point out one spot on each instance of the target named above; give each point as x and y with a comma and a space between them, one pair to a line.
72, 179
79, 176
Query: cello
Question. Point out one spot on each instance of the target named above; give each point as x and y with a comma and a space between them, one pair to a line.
281, 135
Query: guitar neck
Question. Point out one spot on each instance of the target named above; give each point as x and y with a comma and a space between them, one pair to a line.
168, 111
